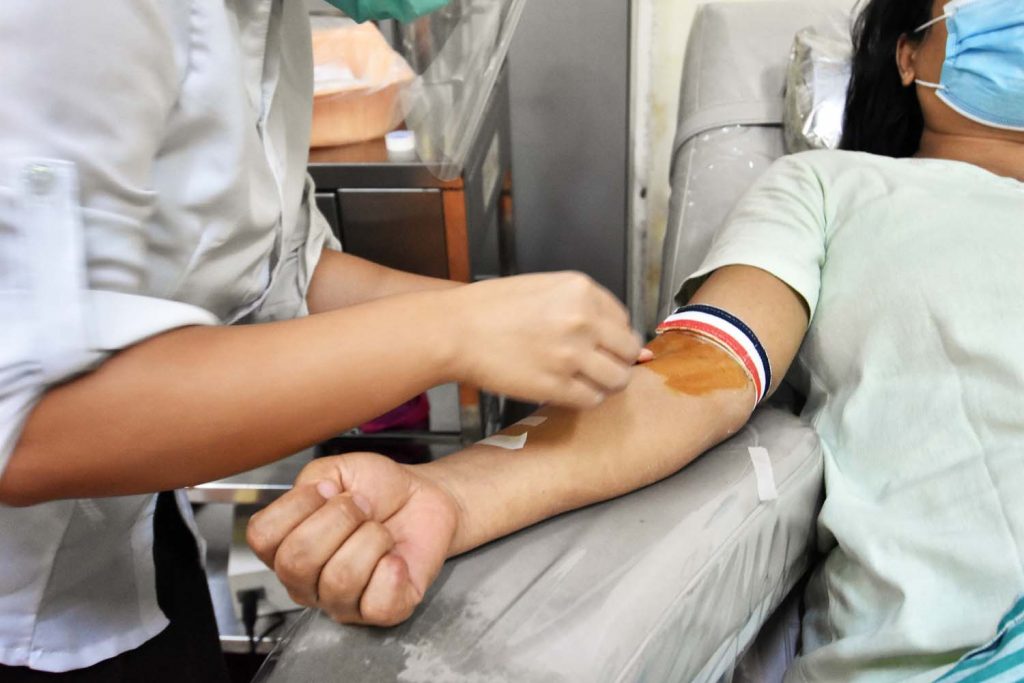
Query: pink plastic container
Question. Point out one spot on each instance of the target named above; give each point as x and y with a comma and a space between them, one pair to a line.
357, 82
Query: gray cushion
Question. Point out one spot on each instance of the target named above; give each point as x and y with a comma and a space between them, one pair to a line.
669, 583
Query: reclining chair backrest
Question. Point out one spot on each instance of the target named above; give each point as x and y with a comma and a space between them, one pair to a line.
730, 117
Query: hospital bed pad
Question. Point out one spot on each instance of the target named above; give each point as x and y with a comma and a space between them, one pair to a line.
671, 582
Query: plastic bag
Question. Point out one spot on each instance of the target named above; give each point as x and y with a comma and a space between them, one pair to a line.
816, 83
459, 53
357, 83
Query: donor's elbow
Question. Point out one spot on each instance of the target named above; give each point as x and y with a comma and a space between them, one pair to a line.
9, 497
19, 490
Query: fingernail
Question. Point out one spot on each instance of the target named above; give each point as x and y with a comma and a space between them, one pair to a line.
362, 504
645, 356
328, 489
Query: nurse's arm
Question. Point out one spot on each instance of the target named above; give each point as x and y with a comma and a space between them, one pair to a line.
342, 280
690, 397
196, 404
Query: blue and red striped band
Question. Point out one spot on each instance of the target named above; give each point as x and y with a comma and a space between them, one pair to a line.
730, 333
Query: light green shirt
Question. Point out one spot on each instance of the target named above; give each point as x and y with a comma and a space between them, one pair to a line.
914, 272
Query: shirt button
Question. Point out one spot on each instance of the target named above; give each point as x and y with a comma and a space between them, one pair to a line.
40, 178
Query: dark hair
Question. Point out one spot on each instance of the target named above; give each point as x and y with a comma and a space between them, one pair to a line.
882, 116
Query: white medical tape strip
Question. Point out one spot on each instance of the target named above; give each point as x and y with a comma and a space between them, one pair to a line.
764, 473
509, 443
532, 421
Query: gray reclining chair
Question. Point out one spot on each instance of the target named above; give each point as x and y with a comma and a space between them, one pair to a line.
670, 583
730, 117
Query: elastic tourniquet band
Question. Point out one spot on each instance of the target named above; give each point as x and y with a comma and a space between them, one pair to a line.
729, 332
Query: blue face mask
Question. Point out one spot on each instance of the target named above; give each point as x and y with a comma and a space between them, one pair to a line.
402, 10
983, 75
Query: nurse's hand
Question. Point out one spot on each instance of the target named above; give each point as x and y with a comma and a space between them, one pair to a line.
548, 338
359, 536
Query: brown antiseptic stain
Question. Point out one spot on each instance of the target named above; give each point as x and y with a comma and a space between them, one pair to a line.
558, 429
690, 365
695, 366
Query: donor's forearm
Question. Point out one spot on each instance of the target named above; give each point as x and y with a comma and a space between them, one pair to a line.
691, 397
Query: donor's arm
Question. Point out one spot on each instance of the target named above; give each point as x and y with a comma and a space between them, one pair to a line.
363, 537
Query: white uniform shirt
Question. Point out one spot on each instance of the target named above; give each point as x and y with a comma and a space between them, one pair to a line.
152, 175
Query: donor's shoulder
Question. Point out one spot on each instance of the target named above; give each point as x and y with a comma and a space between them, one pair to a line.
833, 160
840, 168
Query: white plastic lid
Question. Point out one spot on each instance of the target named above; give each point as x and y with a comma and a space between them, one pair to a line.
400, 142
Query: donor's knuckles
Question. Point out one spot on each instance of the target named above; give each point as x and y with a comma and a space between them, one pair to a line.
299, 598
389, 615
338, 584
258, 539
340, 615
293, 567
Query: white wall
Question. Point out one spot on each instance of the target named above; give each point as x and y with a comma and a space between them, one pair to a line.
660, 31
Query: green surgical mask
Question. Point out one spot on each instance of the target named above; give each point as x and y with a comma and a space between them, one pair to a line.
402, 10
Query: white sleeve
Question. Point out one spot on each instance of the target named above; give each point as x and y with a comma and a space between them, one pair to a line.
304, 237
779, 226
286, 298
86, 94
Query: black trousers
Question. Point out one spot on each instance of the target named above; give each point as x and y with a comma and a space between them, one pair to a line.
188, 649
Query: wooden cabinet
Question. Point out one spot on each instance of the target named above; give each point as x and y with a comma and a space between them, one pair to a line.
399, 214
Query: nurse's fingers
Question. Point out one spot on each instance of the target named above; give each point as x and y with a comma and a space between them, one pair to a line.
268, 527
306, 549
620, 341
345, 577
390, 596
610, 308
578, 393
605, 372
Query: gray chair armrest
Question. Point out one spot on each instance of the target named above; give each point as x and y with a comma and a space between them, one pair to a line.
671, 582
730, 118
